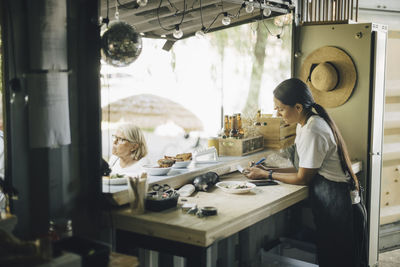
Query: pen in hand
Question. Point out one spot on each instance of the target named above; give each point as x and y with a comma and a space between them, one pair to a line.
258, 162
246, 171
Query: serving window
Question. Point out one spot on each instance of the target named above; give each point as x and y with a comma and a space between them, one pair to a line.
178, 98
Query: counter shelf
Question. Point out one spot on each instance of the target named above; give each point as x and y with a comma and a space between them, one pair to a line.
118, 194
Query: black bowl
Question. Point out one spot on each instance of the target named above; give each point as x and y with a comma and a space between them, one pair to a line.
161, 204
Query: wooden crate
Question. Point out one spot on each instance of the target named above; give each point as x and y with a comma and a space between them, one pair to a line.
240, 147
277, 134
279, 144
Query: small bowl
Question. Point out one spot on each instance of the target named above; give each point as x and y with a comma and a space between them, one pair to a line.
155, 170
181, 164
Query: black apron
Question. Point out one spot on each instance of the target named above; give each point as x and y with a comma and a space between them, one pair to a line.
340, 225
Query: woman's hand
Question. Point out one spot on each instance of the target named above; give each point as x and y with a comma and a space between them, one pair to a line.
262, 167
255, 173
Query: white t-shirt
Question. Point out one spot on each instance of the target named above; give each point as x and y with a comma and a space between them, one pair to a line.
317, 149
132, 170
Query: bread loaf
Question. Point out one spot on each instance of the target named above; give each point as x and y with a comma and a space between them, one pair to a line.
164, 163
184, 156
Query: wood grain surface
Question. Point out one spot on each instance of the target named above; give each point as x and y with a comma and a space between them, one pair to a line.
235, 213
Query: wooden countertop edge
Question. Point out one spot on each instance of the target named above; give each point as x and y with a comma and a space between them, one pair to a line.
203, 238
141, 226
255, 216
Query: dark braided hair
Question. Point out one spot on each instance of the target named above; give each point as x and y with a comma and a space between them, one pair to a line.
293, 91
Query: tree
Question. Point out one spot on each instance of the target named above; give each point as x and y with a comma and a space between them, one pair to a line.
257, 69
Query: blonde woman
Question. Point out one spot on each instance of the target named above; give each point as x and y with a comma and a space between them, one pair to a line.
129, 150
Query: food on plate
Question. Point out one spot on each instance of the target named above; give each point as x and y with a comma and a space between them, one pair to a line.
183, 157
115, 179
168, 161
165, 162
116, 175
235, 186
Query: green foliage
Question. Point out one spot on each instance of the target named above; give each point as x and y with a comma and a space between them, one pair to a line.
258, 40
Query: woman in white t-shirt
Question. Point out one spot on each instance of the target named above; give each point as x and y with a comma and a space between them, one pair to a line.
129, 151
321, 161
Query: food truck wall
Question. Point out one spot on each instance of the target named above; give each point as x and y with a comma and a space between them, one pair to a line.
75, 167
389, 13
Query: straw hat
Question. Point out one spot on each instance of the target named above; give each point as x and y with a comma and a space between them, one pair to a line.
330, 74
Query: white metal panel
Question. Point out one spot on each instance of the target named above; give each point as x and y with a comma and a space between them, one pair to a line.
378, 100
388, 18
387, 5
390, 196
393, 85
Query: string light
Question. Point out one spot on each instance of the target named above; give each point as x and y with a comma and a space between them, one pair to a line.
142, 2
133, 4
249, 8
201, 33
248, 5
267, 12
178, 33
226, 20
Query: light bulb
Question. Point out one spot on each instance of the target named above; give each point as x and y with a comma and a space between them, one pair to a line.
249, 8
178, 33
226, 20
142, 2
267, 12
201, 33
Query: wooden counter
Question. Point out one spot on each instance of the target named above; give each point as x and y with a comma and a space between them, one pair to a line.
235, 212
208, 241
118, 194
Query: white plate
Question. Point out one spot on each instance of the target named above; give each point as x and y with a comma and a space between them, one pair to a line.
231, 187
115, 181
181, 164
155, 170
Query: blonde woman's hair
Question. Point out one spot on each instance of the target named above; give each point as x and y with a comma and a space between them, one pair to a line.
135, 135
